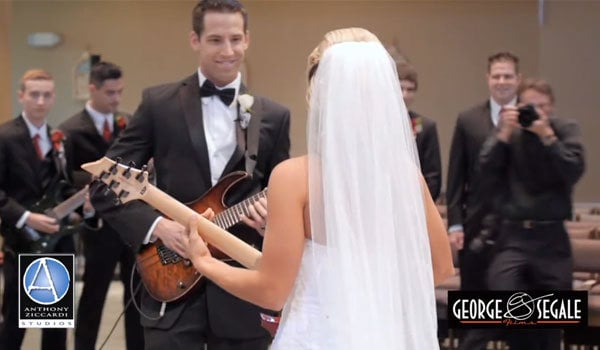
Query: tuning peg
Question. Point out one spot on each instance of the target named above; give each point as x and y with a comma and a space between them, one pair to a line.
123, 194
112, 185
113, 168
104, 175
127, 172
140, 176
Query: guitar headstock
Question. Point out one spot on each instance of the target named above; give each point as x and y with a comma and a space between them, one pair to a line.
127, 182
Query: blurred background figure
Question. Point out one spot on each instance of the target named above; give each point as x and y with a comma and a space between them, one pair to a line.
92, 131
424, 129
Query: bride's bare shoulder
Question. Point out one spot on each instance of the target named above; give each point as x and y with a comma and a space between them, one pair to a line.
292, 167
291, 174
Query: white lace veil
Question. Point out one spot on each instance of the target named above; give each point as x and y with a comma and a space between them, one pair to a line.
366, 207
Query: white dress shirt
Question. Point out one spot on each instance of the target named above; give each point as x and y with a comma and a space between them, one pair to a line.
99, 119
44, 141
495, 108
219, 127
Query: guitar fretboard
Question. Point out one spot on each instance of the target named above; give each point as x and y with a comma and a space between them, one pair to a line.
231, 215
224, 220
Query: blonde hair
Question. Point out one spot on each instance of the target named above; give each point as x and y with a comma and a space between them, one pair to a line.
352, 34
34, 74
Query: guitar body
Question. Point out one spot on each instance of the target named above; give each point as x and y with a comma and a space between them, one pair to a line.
40, 242
166, 276
47, 242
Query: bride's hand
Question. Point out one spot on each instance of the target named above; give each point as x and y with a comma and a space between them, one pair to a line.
197, 249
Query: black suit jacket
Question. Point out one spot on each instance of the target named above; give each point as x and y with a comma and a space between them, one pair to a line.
20, 176
88, 144
428, 146
168, 127
465, 200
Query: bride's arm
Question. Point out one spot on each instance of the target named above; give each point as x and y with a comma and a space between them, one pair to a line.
270, 285
441, 255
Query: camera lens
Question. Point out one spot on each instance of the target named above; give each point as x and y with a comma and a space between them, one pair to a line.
527, 115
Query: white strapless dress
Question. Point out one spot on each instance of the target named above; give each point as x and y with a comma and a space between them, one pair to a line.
306, 326
303, 325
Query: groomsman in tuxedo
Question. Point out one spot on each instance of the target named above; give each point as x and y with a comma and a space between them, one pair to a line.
32, 159
425, 131
91, 132
198, 130
467, 204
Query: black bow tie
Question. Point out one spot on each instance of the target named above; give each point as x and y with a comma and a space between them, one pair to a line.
209, 89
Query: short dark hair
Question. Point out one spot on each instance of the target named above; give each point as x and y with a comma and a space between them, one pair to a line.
103, 71
539, 85
407, 72
222, 6
503, 56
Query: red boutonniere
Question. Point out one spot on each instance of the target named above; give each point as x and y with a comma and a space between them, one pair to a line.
121, 122
417, 125
57, 138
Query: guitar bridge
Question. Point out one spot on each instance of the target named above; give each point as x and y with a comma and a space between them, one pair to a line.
167, 256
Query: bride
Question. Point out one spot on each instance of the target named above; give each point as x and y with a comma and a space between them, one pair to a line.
354, 244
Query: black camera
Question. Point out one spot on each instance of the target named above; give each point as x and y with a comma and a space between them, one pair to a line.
527, 115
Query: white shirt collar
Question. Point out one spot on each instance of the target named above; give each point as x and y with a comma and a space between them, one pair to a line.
235, 84
33, 130
495, 108
99, 118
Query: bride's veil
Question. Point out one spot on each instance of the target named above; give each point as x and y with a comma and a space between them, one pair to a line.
366, 204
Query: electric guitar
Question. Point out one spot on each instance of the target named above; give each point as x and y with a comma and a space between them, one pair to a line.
166, 275
51, 205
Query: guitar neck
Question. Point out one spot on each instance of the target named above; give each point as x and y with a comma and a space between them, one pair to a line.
210, 232
69, 205
232, 215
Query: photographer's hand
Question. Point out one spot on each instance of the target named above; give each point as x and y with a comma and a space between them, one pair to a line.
509, 121
542, 128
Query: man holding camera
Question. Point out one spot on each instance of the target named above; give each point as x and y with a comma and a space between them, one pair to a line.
531, 164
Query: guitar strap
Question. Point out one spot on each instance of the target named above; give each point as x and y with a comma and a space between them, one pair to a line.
250, 148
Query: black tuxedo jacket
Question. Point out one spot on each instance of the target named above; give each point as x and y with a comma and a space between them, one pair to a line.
428, 146
168, 127
20, 176
465, 200
88, 144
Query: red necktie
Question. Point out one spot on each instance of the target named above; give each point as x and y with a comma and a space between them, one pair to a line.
36, 145
106, 131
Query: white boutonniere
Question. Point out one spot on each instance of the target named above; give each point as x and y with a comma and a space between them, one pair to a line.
245, 103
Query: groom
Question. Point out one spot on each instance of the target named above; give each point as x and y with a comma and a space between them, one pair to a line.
197, 130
